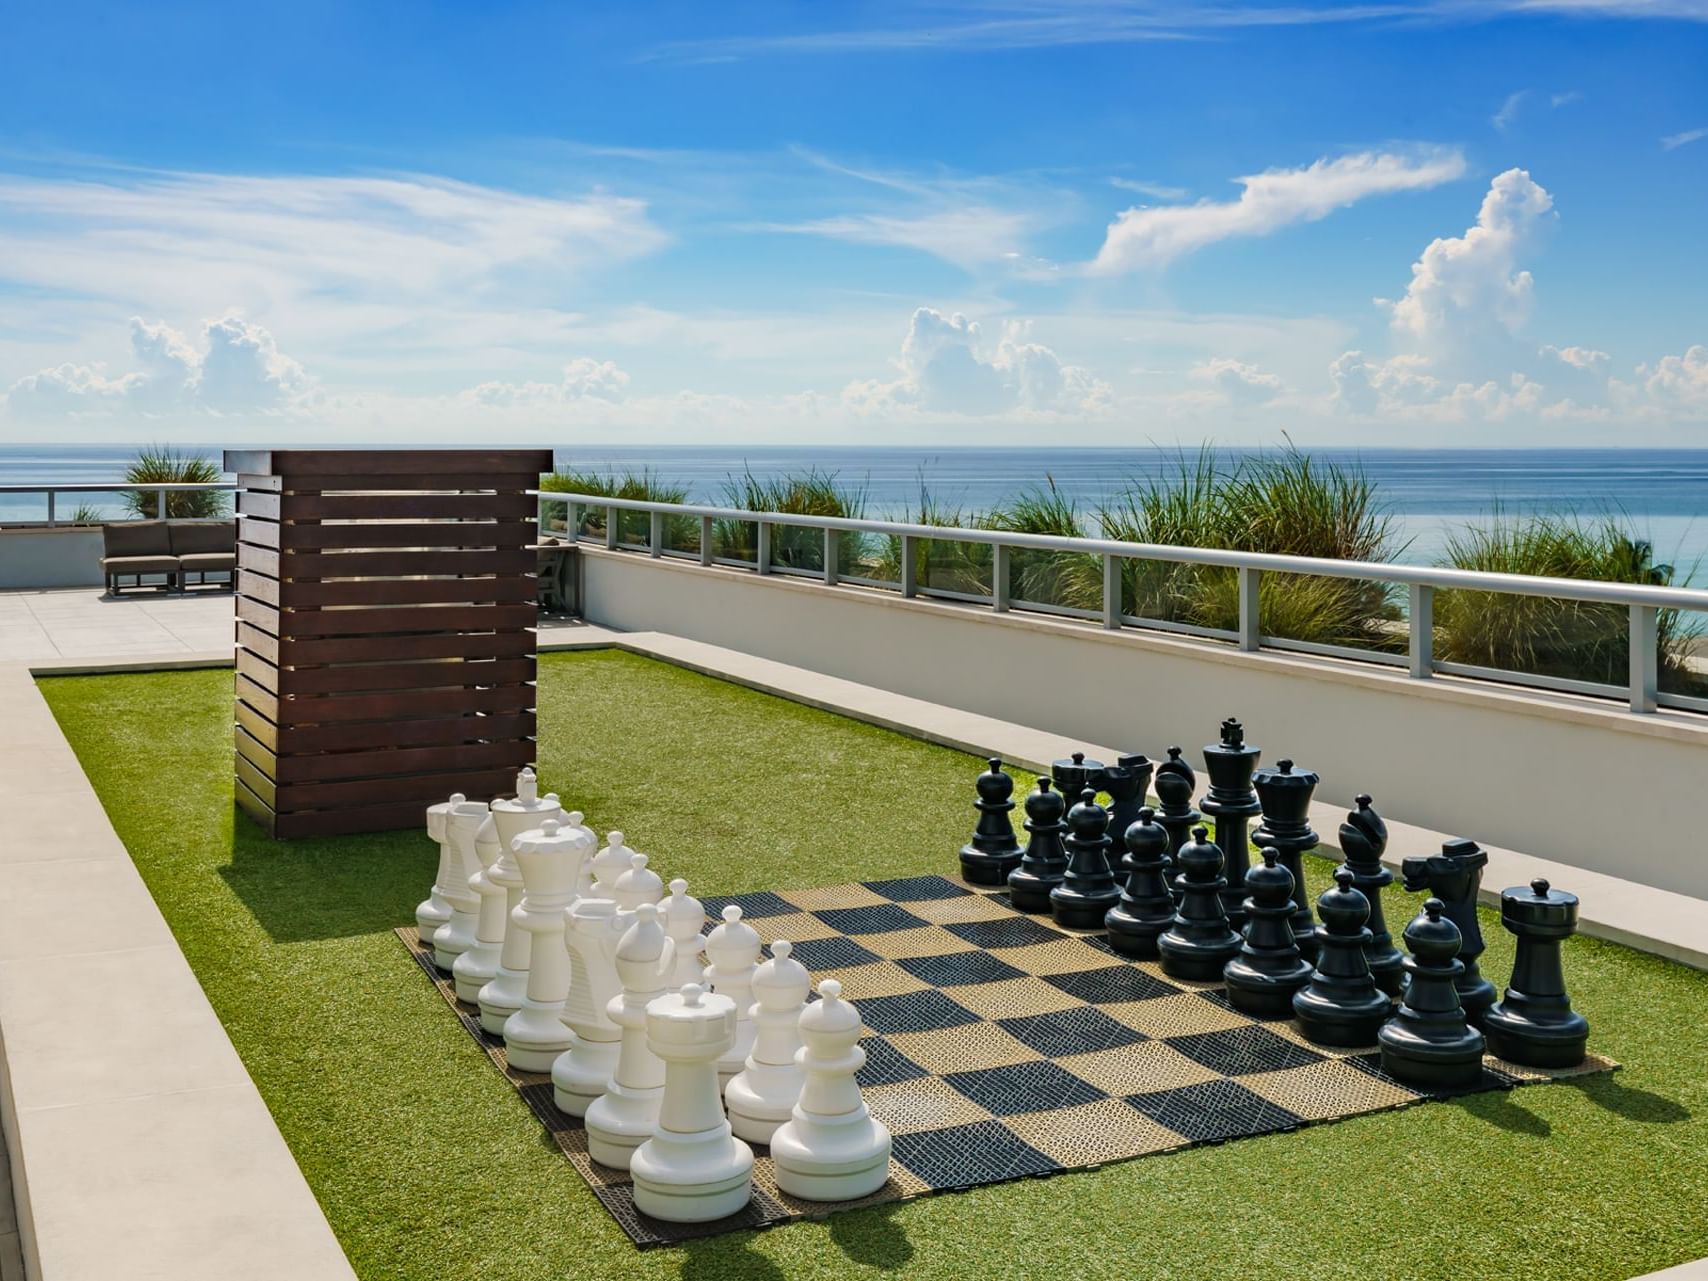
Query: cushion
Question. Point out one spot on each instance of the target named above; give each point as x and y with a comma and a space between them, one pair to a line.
194, 537
137, 538
200, 561
139, 564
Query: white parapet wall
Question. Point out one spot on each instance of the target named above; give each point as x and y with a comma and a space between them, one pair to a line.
50, 556
1568, 779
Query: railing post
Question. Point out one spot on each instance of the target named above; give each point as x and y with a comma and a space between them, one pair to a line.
160, 498
611, 515
832, 557
1250, 629
762, 552
706, 540
1645, 658
999, 567
656, 534
909, 570
1420, 648
50, 516
1111, 591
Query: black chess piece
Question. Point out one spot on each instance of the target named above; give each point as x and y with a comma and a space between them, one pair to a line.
1534, 1023
1073, 774
1232, 803
1269, 968
1044, 860
1088, 888
1200, 942
1285, 793
1342, 1005
1126, 781
1363, 838
993, 852
1146, 909
1428, 1043
1175, 783
1453, 876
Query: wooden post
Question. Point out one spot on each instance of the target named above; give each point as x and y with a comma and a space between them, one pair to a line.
386, 605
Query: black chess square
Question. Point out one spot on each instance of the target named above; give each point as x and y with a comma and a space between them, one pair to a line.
1012, 931
916, 889
1037, 1086
1112, 984
959, 969
967, 1155
870, 920
836, 953
1079, 1030
760, 903
1244, 1050
1214, 1111
913, 1012
885, 1065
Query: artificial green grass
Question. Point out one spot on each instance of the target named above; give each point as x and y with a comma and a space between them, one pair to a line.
428, 1166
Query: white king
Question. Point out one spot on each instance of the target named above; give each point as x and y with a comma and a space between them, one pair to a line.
550, 857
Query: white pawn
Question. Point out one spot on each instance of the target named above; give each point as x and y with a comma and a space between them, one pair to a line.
457, 935
434, 910
733, 950
550, 858
609, 864
592, 931
624, 1117
503, 995
684, 917
477, 966
692, 1169
763, 1094
831, 1149
637, 885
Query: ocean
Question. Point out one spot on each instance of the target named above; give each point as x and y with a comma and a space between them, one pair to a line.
1661, 494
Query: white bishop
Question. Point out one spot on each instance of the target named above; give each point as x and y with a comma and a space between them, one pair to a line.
550, 858
624, 1117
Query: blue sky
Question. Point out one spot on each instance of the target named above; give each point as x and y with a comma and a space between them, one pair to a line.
959, 223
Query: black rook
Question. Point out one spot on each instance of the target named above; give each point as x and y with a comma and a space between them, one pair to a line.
1534, 1024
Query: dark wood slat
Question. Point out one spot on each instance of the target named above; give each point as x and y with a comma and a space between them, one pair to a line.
263, 701
302, 651
348, 822
256, 808
250, 775
253, 667
396, 506
331, 767
328, 708
428, 733
450, 533
249, 480
410, 618
257, 726
453, 673
408, 591
420, 788
258, 587
259, 615
464, 463
263, 560
501, 482
300, 564
262, 533
255, 502
262, 643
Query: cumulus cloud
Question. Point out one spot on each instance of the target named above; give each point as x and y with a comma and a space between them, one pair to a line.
1680, 381
1237, 382
947, 366
237, 370
584, 379
1152, 237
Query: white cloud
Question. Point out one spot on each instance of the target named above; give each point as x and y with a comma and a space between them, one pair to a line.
1673, 141
1678, 381
1155, 190
1237, 382
584, 379
947, 367
1565, 99
1140, 238
967, 236
1585, 358
1509, 109
239, 370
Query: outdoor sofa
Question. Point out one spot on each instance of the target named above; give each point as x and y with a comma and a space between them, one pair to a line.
174, 549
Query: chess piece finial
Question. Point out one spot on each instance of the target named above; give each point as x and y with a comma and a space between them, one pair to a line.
1269, 969
1428, 1043
993, 852
1341, 1005
1533, 1023
1044, 861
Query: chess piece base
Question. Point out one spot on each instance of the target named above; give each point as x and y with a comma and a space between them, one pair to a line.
534, 1036
429, 916
1519, 1039
692, 1178
1476, 998
838, 1158
1194, 961
619, 1121
583, 1073
501, 998
1132, 935
761, 1098
1341, 1024
473, 969
1030, 893
1410, 1054
980, 868
1264, 994
452, 939
1073, 910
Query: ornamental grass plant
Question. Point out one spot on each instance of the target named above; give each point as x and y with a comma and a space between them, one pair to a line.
809, 493
168, 465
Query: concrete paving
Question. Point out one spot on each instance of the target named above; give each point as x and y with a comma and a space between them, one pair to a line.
72, 623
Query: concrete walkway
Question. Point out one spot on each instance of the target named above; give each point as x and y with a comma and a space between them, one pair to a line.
80, 623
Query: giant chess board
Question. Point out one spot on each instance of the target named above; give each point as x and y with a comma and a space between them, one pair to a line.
999, 1047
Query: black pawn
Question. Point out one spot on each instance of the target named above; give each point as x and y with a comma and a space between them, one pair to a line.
1200, 943
1428, 1043
1146, 909
1088, 889
1534, 1024
1454, 876
1044, 859
1342, 1005
1175, 783
1073, 774
1126, 781
1269, 968
1233, 804
1285, 794
1363, 838
993, 852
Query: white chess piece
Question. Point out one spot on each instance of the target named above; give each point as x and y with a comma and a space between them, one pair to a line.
733, 950
503, 996
692, 1169
637, 885
624, 1117
457, 935
478, 964
684, 918
763, 1094
550, 858
831, 1149
434, 910
592, 931
609, 864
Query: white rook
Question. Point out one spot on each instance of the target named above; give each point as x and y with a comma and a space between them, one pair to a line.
457, 935
434, 910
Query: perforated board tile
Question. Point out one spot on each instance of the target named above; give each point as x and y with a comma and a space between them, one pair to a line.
1047, 1052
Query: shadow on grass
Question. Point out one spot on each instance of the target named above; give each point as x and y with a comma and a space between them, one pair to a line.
328, 887
1607, 1091
873, 1237
725, 1257
1501, 1108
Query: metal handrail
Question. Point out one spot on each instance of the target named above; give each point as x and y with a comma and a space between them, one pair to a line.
160, 489
1643, 600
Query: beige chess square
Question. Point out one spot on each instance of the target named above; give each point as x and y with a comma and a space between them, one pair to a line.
930, 940
797, 927
963, 1049
1591, 1063
924, 1104
1012, 998
965, 907
828, 897
1059, 956
902, 1184
1330, 1089
1093, 1133
881, 978
1183, 1015
1137, 1069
